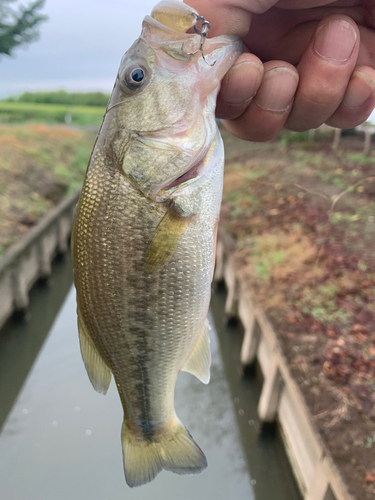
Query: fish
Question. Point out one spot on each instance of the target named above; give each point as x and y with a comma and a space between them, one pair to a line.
144, 234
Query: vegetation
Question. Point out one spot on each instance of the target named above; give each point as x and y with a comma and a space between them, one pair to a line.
21, 112
39, 166
62, 97
19, 27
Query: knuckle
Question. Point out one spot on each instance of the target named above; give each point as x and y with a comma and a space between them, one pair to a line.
321, 96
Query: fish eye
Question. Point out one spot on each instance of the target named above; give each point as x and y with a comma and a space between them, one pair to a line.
137, 75
134, 76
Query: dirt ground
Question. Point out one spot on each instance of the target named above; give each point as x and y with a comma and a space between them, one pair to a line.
304, 220
39, 165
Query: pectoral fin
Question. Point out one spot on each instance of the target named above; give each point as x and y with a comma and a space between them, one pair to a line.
98, 372
166, 238
199, 361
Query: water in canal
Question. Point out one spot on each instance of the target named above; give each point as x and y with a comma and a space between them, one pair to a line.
60, 439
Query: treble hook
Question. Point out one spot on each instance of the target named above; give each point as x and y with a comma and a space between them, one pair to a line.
203, 32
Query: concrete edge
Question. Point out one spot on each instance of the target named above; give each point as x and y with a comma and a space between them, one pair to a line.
29, 259
281, 398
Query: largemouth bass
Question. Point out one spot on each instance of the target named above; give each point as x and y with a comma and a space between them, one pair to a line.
144, 234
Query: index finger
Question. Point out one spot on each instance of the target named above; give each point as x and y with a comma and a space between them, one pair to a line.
230, 17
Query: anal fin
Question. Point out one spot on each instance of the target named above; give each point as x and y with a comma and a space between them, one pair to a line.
98, 372
199, 361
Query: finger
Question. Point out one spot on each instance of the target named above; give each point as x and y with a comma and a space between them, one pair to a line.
267, 112
358, 101
239, 86
325, 70
230, 17
366, 56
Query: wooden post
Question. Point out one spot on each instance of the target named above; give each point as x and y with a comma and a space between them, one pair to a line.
318, 488
312, 134
271, 391
45, 267
68, 116
367, 145
219, 269
336, 138
252, 332
63, 227
232, 286
20, 292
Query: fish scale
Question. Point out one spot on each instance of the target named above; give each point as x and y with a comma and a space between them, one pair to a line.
144, 236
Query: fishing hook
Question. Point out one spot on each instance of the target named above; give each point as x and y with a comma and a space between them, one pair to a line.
203, 32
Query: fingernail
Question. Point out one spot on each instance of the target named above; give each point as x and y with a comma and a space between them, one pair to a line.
277, 90
241, 82
335, 40
360, 88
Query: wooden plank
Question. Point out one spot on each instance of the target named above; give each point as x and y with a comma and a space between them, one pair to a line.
318, 488
252, 332
231, 302
30, 258
302, 447
219, 267
271, 392
281, 397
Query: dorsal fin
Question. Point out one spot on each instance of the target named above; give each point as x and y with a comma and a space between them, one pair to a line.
199, 361
98, 372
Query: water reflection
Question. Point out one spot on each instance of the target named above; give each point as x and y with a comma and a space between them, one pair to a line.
20, 341
271, 475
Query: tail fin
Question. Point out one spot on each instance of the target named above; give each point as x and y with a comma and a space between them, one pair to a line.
175, 451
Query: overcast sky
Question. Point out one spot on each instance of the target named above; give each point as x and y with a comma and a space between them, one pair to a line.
80, 46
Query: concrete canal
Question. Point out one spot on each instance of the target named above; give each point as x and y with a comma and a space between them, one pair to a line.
60, 439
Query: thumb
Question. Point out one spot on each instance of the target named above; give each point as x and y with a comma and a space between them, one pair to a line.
230, 17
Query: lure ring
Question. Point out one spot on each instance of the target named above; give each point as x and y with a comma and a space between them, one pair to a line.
205, 26
203, 32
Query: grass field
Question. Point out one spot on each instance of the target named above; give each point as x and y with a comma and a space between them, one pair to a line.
21, 112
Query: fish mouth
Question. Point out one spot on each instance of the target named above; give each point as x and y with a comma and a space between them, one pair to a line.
220, 51
154, 31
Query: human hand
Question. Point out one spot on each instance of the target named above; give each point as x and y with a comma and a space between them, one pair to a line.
305, 62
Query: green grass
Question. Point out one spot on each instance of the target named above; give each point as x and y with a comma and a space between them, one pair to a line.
360, 159
21, 112
286, 137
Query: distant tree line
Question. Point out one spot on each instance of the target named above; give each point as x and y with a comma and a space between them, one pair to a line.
63, 97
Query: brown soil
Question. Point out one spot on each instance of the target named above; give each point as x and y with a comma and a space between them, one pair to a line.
304, 220
39, 165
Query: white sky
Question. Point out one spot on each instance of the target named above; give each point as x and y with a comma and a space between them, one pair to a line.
80, 46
